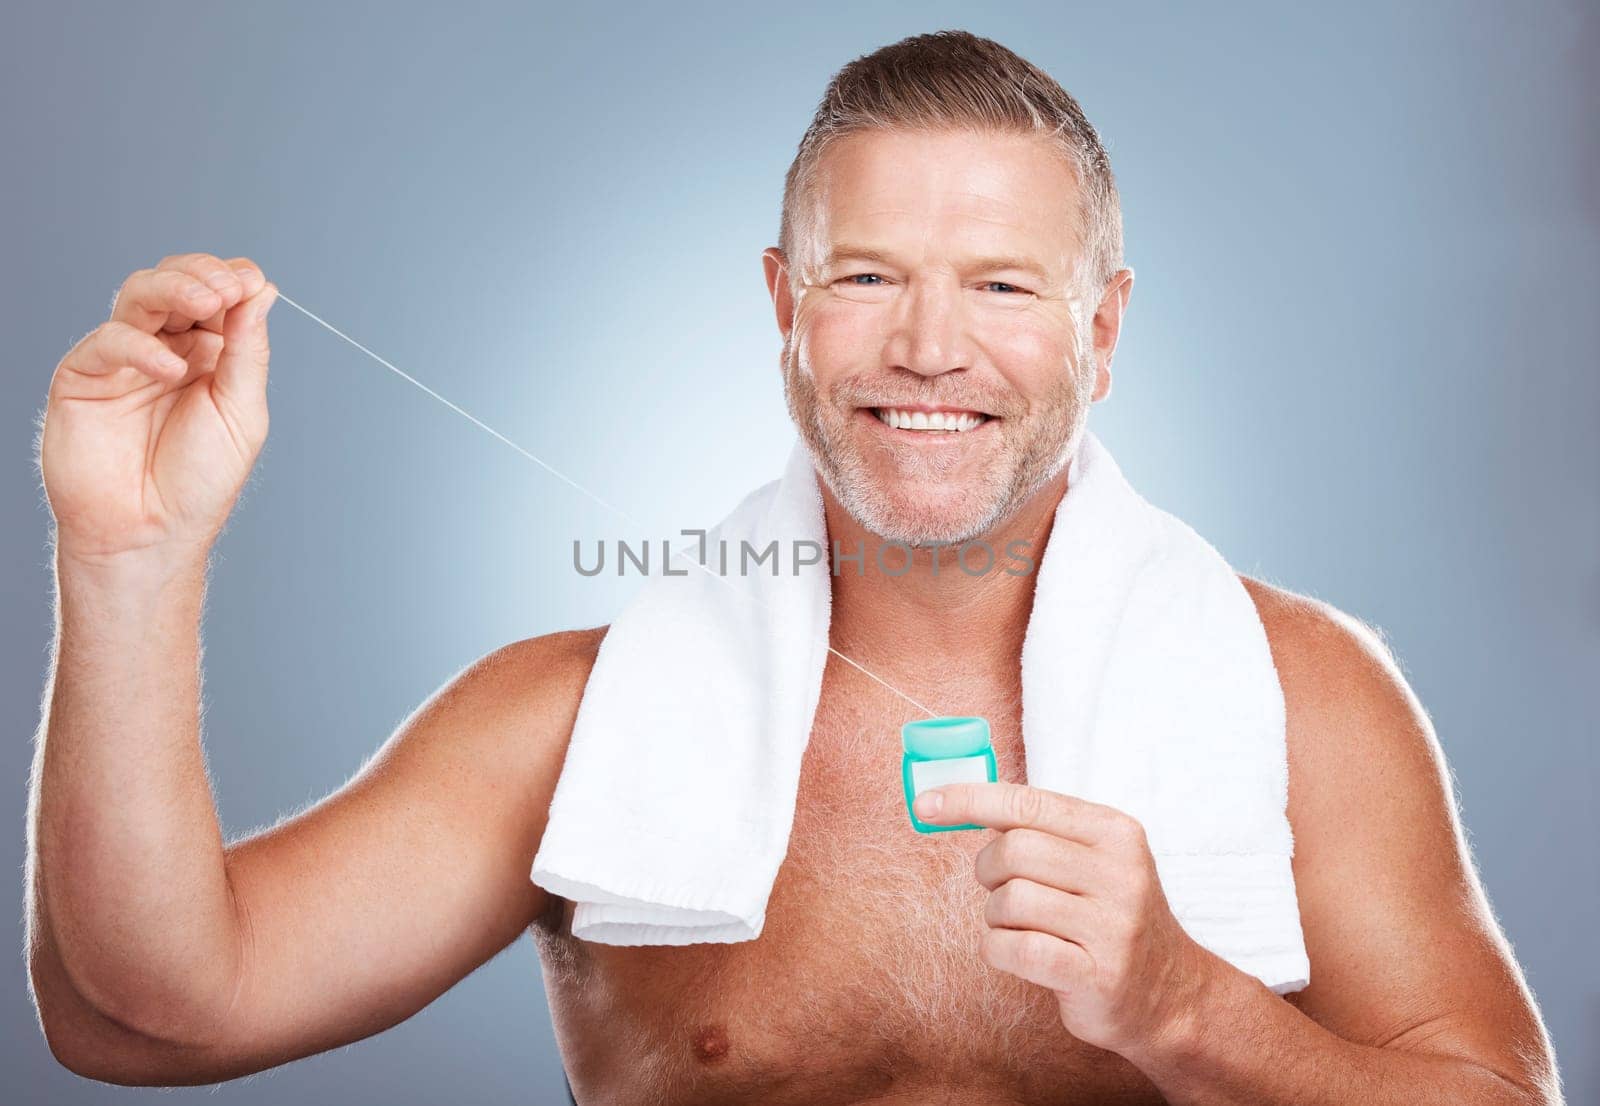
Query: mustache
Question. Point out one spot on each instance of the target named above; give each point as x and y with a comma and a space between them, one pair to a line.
868, 393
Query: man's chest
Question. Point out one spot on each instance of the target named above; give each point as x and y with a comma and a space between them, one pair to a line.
866, 980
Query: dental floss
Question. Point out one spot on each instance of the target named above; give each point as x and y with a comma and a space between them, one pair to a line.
940, 751
573, 483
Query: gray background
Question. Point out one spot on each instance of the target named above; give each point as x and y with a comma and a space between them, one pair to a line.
1360, 358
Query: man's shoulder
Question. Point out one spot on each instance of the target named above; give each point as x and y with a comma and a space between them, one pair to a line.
507, 719
565, 649
543, 676
1357, 735
1327, 659
526, 691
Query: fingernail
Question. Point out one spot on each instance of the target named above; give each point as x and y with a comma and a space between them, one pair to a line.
172, 362
929, 803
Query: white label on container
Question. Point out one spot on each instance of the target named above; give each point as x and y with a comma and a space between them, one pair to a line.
936, 773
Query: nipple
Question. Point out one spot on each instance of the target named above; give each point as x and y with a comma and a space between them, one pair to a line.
711, 1044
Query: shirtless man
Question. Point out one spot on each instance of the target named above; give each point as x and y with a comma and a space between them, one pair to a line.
968, 264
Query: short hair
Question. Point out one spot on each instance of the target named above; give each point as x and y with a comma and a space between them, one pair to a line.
955, 79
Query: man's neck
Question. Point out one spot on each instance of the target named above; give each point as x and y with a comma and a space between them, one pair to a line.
938, 615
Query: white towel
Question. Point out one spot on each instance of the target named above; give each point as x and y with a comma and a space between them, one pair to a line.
1147, 685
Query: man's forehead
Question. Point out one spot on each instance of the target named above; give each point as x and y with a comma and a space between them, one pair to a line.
989, 196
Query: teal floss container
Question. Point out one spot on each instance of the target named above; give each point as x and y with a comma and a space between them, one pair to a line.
940, 751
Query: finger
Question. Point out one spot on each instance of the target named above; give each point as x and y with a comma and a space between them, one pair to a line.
118, 345
1024, 904
1004, 806
213, 272
1037, 957
250, 276
199, 348
1033, 854
242, 366
164, 299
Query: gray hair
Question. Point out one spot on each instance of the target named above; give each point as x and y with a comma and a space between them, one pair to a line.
954, 79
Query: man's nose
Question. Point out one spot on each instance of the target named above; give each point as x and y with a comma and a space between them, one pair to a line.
930, 330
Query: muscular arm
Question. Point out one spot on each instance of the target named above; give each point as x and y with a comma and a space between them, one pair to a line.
331, 926
1415, 996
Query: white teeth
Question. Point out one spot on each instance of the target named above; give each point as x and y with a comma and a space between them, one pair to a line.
958, 422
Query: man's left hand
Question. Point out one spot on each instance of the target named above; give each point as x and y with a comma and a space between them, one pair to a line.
1075, 905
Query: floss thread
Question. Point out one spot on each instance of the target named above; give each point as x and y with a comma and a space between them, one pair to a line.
552, 470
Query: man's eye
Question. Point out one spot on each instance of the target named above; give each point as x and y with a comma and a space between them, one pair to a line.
863, 278
1002, 286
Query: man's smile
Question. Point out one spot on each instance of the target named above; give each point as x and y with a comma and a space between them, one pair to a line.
928, 422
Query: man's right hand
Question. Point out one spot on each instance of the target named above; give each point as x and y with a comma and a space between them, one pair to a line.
156, 417
160, 952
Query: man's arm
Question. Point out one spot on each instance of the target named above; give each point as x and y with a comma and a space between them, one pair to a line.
1415, 996
150, 967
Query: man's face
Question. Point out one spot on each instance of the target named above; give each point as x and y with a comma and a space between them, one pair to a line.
938, 363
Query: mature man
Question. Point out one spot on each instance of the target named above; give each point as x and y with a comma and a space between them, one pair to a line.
951, 243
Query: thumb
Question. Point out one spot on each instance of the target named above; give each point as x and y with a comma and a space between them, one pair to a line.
241, 373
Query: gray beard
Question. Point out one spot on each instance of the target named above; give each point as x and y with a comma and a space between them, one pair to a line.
1048, 438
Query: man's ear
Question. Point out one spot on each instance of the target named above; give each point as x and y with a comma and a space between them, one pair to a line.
1107, 326
776, 267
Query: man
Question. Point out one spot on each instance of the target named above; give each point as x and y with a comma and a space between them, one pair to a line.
951, 241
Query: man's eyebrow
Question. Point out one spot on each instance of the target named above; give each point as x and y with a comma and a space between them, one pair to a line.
1014, 262
848, 252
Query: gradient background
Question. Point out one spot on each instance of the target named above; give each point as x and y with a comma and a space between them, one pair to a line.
1360, 358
